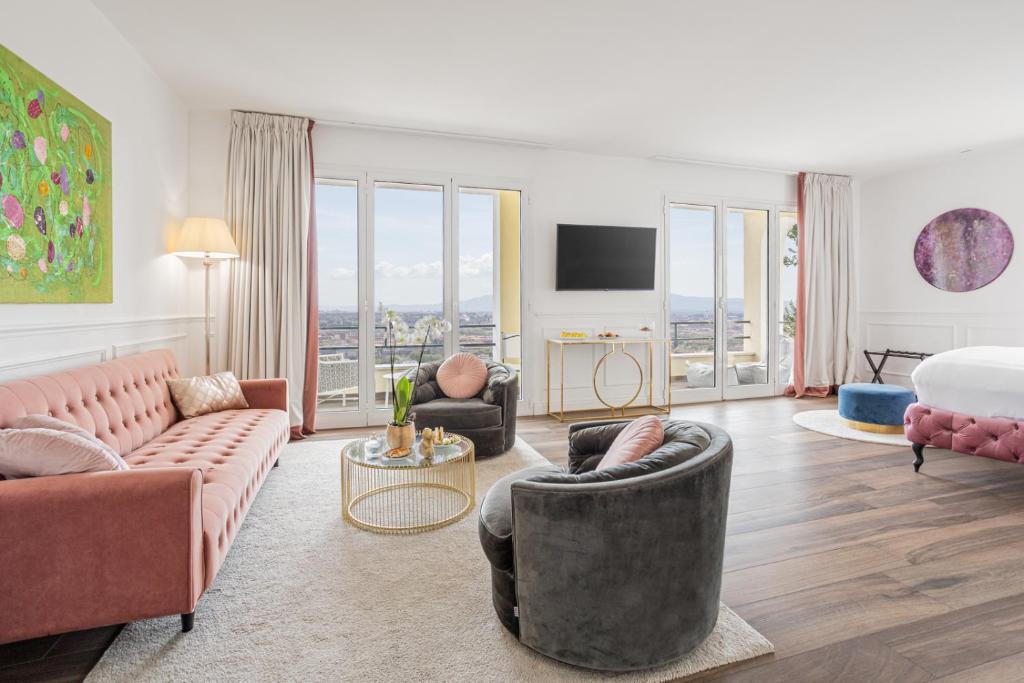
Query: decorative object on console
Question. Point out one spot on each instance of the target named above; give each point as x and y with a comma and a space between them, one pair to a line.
594, 568
210, 240
874, 407
197, 396
56, 243
963, 249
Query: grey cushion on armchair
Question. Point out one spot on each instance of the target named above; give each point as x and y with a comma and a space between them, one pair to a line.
488, 419
619, 569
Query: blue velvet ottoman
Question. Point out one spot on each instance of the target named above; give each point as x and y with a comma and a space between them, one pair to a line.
875, 407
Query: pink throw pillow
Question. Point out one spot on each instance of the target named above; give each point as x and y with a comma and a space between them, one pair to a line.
48, 422
641, 437
45, 452
462, 376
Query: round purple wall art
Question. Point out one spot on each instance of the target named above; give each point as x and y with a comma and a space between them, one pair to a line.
963, 249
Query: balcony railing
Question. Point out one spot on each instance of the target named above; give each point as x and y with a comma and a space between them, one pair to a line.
676, 323
340, 348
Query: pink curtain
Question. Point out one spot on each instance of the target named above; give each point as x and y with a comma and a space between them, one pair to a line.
312, 311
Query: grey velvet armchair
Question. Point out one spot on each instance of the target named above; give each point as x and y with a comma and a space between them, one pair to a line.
488, 419
615, 570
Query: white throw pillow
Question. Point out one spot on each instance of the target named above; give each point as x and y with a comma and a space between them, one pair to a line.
44, 452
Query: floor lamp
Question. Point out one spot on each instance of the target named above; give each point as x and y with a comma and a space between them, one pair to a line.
210, 240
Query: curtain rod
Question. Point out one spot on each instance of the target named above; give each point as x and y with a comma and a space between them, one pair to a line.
723, 164
469, 137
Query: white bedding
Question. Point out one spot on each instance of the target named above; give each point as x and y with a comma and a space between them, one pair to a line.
984, 381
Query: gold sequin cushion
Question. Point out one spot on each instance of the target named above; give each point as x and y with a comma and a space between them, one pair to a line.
207, 394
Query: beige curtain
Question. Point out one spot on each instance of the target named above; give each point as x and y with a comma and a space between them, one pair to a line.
268, 209
829, 281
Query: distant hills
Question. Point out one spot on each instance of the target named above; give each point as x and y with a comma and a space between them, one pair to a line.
702, 304
678, 305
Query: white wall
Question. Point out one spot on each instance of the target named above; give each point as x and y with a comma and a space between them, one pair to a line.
155, 298
898, 308
562, 187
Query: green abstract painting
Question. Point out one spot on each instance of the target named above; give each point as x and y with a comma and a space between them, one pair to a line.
56, 239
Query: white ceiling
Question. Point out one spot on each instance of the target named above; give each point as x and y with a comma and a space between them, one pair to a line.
854, 86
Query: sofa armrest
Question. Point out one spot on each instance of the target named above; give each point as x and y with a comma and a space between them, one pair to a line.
266, 393
87, 550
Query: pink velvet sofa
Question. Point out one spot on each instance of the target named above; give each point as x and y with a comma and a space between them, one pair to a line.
84, 550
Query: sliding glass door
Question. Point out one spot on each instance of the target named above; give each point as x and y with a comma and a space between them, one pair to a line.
407, 251
408, 277
721, 301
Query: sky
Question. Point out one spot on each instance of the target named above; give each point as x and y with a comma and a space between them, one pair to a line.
408, 244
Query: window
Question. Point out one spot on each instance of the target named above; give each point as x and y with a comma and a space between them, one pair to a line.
746, 297
692, 320
338, 286
408, 275
788, 235
489, 274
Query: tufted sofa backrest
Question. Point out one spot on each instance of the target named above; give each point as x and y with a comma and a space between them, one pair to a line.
124, 402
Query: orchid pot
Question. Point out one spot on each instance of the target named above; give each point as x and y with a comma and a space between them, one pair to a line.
400, 436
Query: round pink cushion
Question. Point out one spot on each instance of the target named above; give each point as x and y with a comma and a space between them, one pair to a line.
462, 376
640, 437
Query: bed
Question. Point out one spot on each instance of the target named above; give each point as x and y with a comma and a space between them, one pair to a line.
971, 401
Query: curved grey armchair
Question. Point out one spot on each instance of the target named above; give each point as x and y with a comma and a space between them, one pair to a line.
488, 419
615, 570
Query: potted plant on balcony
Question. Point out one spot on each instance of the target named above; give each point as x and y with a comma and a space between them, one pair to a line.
401, 431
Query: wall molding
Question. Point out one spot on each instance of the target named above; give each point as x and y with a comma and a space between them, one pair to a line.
96, 354
42, 328
120, 350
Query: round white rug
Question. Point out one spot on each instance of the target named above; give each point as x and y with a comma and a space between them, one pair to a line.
303, 596
829, 422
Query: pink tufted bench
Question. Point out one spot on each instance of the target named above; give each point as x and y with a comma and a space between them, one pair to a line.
84, 550
992, 437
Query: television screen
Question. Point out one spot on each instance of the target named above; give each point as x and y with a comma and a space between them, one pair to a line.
605, 257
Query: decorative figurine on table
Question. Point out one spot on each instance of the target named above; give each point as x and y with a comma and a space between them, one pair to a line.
427, 442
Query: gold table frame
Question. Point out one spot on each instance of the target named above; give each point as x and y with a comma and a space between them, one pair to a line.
411, 494
617, 345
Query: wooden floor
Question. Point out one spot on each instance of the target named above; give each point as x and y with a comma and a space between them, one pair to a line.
856, 568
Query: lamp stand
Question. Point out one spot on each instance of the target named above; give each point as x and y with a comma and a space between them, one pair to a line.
207, 265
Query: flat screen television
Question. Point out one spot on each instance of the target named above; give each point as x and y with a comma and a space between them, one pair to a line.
605, 257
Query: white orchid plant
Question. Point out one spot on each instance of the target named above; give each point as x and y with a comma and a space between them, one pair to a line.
397, 333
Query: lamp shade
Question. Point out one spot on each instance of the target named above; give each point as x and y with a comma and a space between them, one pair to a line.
205, 238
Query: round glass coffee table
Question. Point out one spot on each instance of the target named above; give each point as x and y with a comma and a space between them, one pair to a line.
410, 494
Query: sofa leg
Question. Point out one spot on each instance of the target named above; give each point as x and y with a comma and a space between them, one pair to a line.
277, 462
188, 621
918, 456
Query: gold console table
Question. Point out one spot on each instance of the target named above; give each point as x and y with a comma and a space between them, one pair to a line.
613, 345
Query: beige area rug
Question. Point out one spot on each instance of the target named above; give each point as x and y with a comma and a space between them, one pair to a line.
829, 422
305, 597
